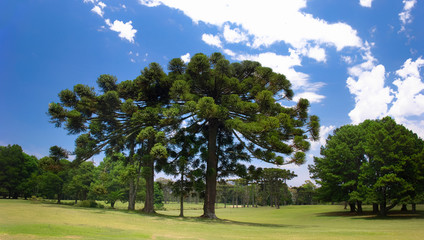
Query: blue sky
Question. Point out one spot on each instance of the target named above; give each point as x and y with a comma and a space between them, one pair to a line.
353, 59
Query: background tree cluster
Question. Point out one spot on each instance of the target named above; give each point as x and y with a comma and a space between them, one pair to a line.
377, 162
202, 118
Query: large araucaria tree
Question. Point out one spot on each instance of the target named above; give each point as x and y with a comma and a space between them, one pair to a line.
243, 100
236, 107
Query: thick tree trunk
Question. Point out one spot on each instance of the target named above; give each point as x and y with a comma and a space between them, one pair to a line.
149, 177
414, 208
352, 207
383, 211
211, 171
359, 204
404, 208
375, 208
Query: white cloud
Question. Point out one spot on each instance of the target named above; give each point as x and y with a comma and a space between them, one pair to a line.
212, 40
234, 35
229, 52
186, 58
125, 30
274, 21
101, 4
365, 3
98, 10
315, 52
87, 1
405, 16
410, 86
149, 3
311, 96
324, 131
281, 64
371, 97
347, 59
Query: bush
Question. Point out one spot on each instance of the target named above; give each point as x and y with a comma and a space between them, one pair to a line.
87, 204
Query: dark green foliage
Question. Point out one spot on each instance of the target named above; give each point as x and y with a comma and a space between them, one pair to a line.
377, 161
16, 169
241, 104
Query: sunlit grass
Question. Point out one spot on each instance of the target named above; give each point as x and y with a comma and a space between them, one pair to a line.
21, 219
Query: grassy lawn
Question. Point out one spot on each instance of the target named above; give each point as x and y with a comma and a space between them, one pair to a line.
21, 219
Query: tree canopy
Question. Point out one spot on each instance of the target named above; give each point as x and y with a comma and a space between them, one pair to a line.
236, 108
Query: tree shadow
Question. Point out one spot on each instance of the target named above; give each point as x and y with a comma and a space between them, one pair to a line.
369, 215
222, 221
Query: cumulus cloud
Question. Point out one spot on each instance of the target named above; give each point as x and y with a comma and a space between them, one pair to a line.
125, 30
212, 40
186, 58
311, 96
410, 86
274, 21
405, 16
315, 52
281, 64
234, 35
98, 10
365, 3
367, 83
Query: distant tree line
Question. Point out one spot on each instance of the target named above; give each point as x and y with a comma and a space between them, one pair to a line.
377, 162
55, 177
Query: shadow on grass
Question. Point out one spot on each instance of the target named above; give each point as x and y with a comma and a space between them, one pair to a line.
369, 215
221, 221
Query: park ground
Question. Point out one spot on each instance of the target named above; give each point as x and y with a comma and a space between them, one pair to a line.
25, 219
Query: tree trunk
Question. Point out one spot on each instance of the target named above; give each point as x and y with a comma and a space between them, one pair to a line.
182, 205
182, 194
352, 207
149, 177
132, 195
112, 204
132, 184
211, 171
383, 211
404, 208
375, 208
414, 208
359, 204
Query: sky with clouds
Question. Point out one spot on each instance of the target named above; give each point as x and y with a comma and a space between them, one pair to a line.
353, 59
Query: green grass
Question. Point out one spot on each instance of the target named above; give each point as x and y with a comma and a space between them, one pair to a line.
21, 219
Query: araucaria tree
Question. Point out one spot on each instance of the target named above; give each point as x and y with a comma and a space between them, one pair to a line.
245, 100
124, 117
237, 108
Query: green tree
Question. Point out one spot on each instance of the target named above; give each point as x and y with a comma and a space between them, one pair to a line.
391, 172
338, 169
16, 168
124, 117
80, 179
244, 101
273, 180
55, 173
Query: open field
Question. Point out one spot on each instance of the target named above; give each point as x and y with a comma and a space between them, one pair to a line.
21, 219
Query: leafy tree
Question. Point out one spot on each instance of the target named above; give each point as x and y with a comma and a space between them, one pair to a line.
242, 100
16, 168
338, 169
273, 180
305, 194
80, 179
124, 117
55, 173
378, 161
391, 172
